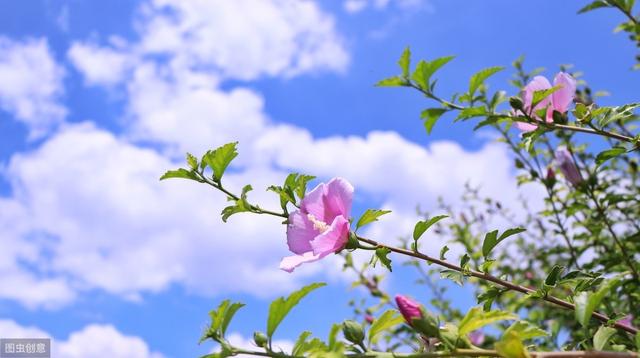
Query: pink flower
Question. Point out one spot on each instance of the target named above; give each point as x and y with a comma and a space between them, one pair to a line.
476, 338
560, 100
321, 226
626, 320
409, 308
568, 166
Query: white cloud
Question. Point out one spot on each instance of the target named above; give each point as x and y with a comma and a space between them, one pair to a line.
356, 6
93, 341
99, 65
238, 340
31, 84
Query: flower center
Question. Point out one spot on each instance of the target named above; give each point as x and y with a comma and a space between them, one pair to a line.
317, 224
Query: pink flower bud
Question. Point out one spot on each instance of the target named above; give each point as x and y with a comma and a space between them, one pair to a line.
528, 275
409, 308
368, 318
551, 175
568, 166
476, 338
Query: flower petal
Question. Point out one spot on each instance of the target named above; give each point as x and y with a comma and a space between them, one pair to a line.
313, 202
289, 263
525, 127
300, 232
538, 83
333, 239
339, 198
563, 97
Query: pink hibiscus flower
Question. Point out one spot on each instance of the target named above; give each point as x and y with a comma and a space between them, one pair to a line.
560, 100
321, 226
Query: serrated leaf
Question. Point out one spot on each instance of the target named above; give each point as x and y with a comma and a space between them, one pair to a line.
404, 62
395, 81
431, 116
192, 161
479, 77
180, 173
382, 254
452, 275
240, 206
471, 112
433, 66
220, 319
280, 307
220, 158
477, 318
602, 337
422, 226
539, 96
388, 319
370, 216
301, 344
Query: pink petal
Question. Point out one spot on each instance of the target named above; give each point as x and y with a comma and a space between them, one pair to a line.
538, 83
314, 202
563, 97
409, 308
300, 231
525, 127
289, 263
338, 199
333, 239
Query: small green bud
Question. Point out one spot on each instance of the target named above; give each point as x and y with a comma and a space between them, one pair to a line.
516, 103
353, 331
260, 339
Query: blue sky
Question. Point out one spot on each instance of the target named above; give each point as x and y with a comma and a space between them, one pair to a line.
97, 99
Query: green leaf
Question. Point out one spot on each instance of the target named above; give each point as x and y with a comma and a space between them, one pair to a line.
395, 81
443, 251
281, 306
539, 96
387, 320
587, 302
554, 276
240, 206
431, 116
220, 319
478, 79
404, 62
452, 275
637, 339
477, 318
602, 337
608, 154
218, 160
192, 161
472, 112
180, 173
526, 330
422, 226
382, 254
491, 239
433, 66
300, 345
370, 216
510, 346
594, 5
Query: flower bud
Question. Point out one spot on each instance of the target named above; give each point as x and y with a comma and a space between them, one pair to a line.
409, 308
260, 339
568, 166
353, 331
368, 318
516, 103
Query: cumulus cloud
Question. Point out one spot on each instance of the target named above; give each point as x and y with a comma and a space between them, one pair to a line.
93, 341
31, 84
99, 65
